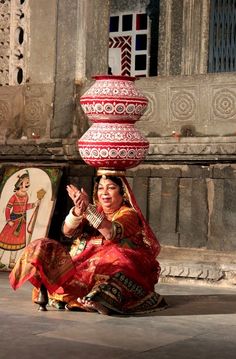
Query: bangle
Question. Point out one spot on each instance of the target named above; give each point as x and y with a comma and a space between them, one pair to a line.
93, 216
71, 220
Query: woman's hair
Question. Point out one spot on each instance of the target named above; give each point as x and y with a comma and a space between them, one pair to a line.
114, 179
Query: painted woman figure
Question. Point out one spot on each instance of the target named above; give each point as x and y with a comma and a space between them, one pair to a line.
13, 235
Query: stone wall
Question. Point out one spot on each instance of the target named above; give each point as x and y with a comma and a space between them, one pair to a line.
189, 205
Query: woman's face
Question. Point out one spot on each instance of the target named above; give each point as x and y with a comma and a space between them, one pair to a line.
108, 194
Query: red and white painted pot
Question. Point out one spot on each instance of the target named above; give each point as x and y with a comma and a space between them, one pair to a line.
113, 104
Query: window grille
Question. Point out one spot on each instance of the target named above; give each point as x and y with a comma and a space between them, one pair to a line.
133, 42
128, 44
222, 36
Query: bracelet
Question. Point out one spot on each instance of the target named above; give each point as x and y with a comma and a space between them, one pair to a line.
93, 216
71, 220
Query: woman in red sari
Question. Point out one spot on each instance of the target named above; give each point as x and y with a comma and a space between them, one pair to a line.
111, 266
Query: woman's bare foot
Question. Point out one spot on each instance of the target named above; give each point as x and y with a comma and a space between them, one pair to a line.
92, 306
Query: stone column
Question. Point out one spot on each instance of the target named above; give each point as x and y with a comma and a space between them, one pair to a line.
64, 107
164, 42
170, 37
183, 37
93, 38
195, 37
41, 41
93, 18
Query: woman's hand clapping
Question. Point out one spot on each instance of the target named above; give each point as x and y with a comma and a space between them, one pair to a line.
79, 197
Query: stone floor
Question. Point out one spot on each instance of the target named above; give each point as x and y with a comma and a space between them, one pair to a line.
199, 323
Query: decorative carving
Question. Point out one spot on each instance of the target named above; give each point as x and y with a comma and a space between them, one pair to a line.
5, 42
12, 37
183, 106
149, 112
192, 270
18, 40
33, 112
193, 149
224, 104
4, 113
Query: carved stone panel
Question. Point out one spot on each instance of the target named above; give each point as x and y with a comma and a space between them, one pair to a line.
191, 106
38, 110
25, 112
11, 112
183, 105
223, 99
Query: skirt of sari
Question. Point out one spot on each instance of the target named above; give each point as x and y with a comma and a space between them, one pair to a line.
122, 279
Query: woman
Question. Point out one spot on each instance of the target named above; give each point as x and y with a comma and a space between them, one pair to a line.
111, 266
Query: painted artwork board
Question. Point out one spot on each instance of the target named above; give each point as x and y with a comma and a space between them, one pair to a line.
27, 201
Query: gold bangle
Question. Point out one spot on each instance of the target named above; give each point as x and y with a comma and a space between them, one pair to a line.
93, 216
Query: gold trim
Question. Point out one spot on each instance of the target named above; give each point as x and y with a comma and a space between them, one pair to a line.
110, 172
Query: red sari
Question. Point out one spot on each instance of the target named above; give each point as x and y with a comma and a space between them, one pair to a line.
120, 273
13, 238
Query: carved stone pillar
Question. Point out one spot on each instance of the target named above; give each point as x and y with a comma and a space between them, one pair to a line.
183, 37
93, 38
195, 37
13, 34
93, 18
170, 37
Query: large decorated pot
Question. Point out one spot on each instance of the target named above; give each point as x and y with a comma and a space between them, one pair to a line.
113, 104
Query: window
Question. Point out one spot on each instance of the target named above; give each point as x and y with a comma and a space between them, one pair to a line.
222, 36
128, 45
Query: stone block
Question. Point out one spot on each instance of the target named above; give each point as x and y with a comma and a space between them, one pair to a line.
166, 170
168, 239
224, 170
140, 189
162, 210
154, 203
222, 224
196, 171
142, 170
193, 213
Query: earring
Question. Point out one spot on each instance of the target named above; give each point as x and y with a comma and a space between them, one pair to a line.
125, 198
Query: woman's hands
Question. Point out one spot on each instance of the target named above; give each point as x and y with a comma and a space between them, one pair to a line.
79, 197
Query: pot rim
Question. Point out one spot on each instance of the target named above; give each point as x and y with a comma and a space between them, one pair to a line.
114, 77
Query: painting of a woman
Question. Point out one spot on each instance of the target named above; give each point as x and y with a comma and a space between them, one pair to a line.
13, 235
